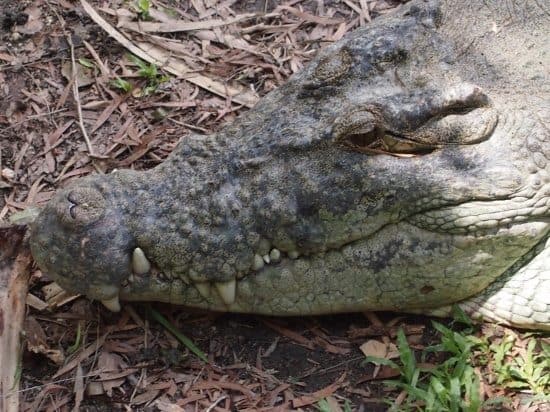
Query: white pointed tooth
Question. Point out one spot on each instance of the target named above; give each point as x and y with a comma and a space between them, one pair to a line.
275, 255
140, 264
267, 259
204, 289
227, 291
112, 304
258, 262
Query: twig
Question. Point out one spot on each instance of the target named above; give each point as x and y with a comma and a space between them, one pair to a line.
77, 99
76, 95
211, 407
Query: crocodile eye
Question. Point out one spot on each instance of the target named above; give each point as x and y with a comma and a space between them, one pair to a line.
395, 144
364, 138
360, 130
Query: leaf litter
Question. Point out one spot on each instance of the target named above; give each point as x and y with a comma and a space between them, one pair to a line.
63, 117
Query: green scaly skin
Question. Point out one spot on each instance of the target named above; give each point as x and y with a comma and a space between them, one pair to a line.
406, 168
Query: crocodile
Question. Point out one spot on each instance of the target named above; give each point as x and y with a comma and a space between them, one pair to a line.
406, 168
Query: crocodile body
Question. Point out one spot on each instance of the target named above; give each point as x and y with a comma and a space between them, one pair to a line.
406, 168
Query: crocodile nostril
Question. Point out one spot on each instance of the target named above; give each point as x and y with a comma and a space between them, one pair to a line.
72, 204
72, 210
71, 197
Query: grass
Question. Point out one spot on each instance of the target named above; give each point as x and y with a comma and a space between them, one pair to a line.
528, 370
184, 340
142, 7
455, 384
148, 72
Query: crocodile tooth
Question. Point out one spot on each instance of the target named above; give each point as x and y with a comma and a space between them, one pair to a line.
266, 258
204, 289
112, 304
275, 255
227, 291
258, 262
140, 264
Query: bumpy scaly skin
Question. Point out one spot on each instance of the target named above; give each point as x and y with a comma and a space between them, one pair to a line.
297, 208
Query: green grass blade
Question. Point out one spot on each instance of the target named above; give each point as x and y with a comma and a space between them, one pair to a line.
180, 336
382, 361
406, 356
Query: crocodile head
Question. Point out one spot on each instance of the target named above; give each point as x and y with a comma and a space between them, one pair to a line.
406, 167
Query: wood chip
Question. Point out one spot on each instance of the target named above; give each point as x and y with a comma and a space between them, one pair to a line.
15, 263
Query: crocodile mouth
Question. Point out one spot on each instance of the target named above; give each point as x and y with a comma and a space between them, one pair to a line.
147, 282
146, 277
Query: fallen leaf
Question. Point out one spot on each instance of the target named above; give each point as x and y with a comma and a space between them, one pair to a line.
37, 341
84, 75
34, 23
374, 348
108, 363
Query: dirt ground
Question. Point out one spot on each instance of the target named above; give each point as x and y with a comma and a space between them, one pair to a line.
76, 354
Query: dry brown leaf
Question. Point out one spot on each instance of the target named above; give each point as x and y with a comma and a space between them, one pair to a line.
181, 25
229, 40
7, 57
104, 116
333, 404
94, 388
164, 405
374, 348
34, 23
82, 354
36, 303
224, 385
109, 363
154, 55
84, 75
331, 348
296, 337
37, 341
56, 296
309, 17
176, 66
318, 395
145, 397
